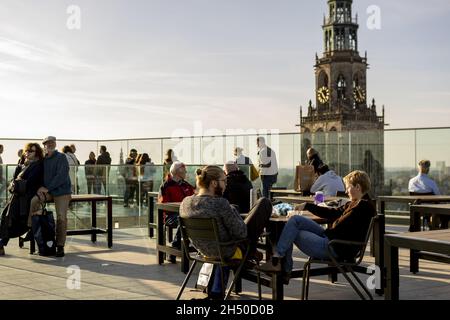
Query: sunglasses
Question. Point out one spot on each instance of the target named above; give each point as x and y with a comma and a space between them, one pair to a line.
30, 151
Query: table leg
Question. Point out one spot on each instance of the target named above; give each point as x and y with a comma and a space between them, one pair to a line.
110, 222
392, 272
94, 220
378, 234
161, 240
414, 227
151, 217
277, 287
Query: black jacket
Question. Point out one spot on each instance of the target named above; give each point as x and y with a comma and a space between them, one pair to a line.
34, 175
349, 222
14, 218
237, 191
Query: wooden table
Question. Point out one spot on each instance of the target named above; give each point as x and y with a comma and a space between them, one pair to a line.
161, 247
152, 198
416, 211
302, 199
437, 242
379, 228
93, 231
284, 192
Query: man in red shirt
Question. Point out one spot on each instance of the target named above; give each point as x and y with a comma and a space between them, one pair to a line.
175, 189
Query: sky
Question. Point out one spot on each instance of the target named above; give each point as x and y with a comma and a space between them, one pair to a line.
155, 68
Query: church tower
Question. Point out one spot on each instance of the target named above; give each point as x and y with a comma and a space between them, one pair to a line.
341, 112
341, 78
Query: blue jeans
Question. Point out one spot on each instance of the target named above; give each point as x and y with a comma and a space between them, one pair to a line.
307, 235
267, 183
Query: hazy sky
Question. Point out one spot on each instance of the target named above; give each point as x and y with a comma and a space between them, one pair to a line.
144, 68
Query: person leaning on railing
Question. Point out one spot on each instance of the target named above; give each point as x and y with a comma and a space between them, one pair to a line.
349, 222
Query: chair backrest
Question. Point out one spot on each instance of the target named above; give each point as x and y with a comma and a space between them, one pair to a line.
361, 253
204, 229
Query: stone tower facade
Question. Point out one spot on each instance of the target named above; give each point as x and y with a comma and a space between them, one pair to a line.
342, 126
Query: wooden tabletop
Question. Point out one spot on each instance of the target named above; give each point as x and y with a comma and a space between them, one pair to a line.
88, 197
287, 192
442, 208
424, 198
437, 241
307, 214
298, 200
169, 206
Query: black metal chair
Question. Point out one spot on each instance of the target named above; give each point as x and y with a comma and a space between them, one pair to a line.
206, 229
342, 266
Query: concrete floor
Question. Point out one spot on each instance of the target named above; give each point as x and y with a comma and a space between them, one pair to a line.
129, 271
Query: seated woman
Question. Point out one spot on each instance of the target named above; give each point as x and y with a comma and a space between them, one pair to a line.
349, 222
17, 221
209, 203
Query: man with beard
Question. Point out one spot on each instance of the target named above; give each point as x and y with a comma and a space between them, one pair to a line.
209, 203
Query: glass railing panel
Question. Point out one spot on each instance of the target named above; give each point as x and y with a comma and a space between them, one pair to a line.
432, 144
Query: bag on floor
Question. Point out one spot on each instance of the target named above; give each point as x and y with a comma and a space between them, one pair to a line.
43, 227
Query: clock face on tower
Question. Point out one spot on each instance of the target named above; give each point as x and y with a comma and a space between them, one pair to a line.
359, 94
323, 95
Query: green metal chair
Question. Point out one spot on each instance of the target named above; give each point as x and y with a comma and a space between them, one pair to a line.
342, 266
206, 229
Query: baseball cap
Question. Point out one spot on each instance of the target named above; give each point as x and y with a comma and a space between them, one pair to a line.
47, 139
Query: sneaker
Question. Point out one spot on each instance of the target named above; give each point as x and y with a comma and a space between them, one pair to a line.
273, 266
59, 251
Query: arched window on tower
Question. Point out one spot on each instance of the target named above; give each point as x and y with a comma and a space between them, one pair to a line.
340, 39
341, 87
352, 38
347, 13
323, 79
356, 81
340, 13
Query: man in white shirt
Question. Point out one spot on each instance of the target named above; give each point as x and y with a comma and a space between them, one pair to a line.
328, 182
268, 166
422, 183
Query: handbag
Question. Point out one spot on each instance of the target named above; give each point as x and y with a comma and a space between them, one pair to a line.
254, 174
44, 231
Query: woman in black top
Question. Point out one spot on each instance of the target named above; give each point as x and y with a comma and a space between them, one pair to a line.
349, 222
28, 178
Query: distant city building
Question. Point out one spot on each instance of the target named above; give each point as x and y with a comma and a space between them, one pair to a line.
345, 130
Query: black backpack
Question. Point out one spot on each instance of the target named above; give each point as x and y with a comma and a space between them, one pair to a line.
43, 227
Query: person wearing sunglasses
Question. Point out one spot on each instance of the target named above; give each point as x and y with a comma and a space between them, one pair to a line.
28, 178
